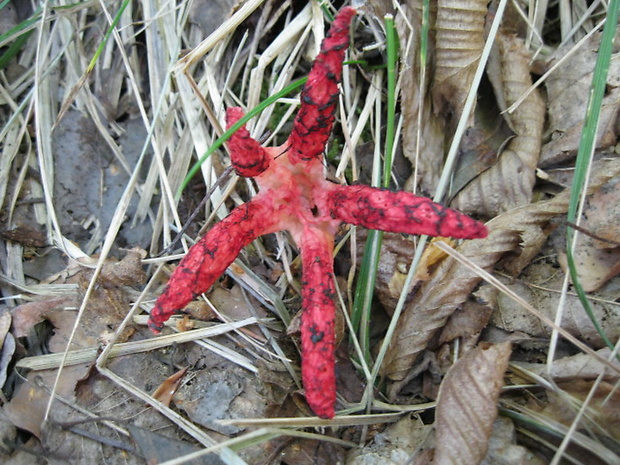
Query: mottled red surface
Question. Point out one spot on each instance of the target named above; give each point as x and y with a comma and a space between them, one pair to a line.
295, 196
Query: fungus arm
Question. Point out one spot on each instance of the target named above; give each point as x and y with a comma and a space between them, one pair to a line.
209, 258
400, 212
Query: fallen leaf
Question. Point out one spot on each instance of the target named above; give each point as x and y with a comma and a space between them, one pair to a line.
603, 415
169, 386
394, 445
393, 266
466, 323
509, 182
597, 260
467, 404
514, 235
511, 317
458, 45
503, 447
568, 91
436, 299
482, 142
232, 303
574, 367
431, 257
7, 346
127, 272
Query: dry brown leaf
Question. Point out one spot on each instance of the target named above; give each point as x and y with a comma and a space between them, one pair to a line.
466, 323
481, 143
516, 232
232, 303
508, 184
459, 43
467, 404
503, 449
603, 417
27, 315
594, 266
127, 272
568, 90
431, 257
166, 390
27, 407
597, 261
394, 262
7, 345
106, 308
579, 366
394, 445
534, 220
510, 316
449, 286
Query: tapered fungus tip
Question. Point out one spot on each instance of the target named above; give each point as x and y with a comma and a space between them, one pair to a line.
155, 327
480, 232
247, 156
325, 412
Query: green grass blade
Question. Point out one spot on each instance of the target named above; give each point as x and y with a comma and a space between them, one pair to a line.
364, 289
14, 49
108, 33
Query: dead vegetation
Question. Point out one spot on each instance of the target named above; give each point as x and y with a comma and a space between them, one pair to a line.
478, 352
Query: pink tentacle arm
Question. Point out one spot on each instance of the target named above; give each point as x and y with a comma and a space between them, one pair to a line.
400, 212
319, 97
209, 258
247, 156
318, 320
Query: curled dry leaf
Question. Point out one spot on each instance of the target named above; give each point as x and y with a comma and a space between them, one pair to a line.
509, 183
459, 43
467, 404
167, 389
534, 220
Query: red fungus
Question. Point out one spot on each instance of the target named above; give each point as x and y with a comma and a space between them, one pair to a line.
294, 196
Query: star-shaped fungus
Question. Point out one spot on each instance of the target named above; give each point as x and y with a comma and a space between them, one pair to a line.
294, 196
